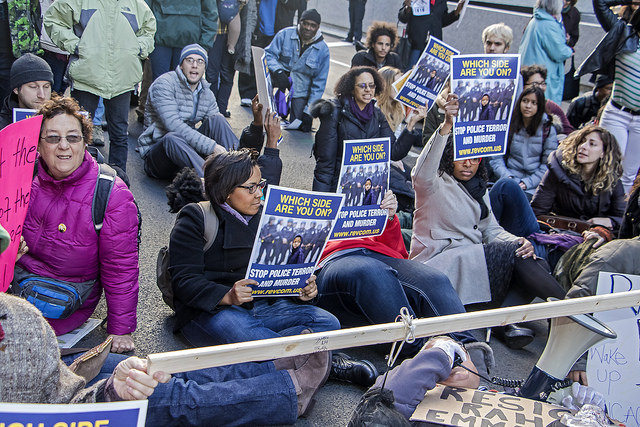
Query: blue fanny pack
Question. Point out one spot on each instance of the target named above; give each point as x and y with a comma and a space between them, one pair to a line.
56, 299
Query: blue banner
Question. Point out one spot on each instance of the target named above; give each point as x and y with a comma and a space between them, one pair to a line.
364, 178
293, 231
486, 88
428, 76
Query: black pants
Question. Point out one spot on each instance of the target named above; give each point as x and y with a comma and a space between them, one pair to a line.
247, 82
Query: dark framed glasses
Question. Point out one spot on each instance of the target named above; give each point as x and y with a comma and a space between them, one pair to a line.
253, 187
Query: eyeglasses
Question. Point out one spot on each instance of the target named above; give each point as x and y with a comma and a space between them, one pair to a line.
363, 86
474, 161
536, 84
253, 187
55, 139
190, 61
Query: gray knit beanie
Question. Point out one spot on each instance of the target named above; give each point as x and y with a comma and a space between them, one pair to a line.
196, 49
30, 68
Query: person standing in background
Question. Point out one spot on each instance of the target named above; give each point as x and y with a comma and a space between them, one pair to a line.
571, 21
356, 15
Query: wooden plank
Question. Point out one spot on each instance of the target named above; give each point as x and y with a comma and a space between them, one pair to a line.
199, 358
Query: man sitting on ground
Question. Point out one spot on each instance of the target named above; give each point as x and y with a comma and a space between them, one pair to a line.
302, 54
177, 102
31, 80
584, 109
381, 38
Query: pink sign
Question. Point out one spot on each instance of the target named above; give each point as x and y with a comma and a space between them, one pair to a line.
18, 151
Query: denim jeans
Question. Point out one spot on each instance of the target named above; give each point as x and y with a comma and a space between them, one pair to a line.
116, 112
626, 128
58, 68
367, 287
356, 15
220, 72
242, 394
513, 212
267, 319
164, 59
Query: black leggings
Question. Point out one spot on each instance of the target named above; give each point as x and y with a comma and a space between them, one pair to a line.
532, 278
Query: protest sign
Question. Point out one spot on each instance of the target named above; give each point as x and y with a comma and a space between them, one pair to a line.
22, 113
129, 414
452, 406
293, 231
263, 83
18, 148
428, 76
364, 178
613, 367
485, 85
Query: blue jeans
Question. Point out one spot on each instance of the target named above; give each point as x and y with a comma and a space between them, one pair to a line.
356, 15
267, 319
164, 59
414, 55
220, 72
58, 68
242, 394
513, 212
117, 114
365, 286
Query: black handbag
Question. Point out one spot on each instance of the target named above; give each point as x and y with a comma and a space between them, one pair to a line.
571, 83
403, 49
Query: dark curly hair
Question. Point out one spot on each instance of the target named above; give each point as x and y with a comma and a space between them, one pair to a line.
185, 188
446, 163
347, 83
224, 172
529, 70
58, 105
380, 28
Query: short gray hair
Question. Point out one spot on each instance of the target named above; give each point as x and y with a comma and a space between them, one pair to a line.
554, 7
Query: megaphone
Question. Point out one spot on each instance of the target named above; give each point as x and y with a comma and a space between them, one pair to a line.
569, 338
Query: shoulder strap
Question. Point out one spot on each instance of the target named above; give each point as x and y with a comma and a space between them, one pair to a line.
210, 223
101, 194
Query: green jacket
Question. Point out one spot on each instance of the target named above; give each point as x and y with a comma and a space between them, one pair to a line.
24, 26
183, 22
106, 39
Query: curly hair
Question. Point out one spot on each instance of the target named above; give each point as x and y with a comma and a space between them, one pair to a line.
379, 28
446, 163
392, 109
226, 171
529, 70
58, 105
347, 83
608, 170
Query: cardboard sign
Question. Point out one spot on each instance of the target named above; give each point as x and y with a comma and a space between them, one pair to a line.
18, 151
23, 113
486, 86
294, 228
613, 367
123, 414
464, 407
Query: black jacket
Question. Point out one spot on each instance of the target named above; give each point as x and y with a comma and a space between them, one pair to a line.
420, 27
583, 109
6, 112
631, 221
368, 59
620, 38
198, 287
338, 124
563, 193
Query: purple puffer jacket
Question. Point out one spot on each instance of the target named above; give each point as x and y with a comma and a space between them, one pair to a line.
64, 244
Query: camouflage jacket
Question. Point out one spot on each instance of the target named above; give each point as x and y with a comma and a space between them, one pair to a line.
25, 24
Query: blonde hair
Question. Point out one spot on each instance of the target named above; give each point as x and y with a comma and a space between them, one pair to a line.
609, 168
392, 109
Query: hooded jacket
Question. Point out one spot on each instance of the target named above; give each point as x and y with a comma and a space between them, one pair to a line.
6, 112
76, 253
367, 58
563, 193
184, 22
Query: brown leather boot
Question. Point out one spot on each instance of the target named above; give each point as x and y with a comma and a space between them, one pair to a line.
308, 377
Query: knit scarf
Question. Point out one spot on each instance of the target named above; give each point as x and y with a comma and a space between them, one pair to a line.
477, 188
362, 115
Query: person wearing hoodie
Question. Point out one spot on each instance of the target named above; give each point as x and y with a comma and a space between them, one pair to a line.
486, 109
544, 43
584, 109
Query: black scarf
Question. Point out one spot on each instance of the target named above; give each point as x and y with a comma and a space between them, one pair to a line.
477, 188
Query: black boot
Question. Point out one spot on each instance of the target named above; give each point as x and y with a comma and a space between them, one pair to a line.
514, 336
344, 368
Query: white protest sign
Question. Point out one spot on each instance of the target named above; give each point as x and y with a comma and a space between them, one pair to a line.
613, 367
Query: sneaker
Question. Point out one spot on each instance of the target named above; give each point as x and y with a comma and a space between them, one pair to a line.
344, 368
227, 114
245, 102
97, 137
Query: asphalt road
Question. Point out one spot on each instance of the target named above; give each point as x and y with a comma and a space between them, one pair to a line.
335, 401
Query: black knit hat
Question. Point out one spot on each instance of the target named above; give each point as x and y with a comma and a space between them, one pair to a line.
311, 15
30, 68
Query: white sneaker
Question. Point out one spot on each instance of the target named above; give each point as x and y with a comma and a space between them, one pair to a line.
245, 102
97, 137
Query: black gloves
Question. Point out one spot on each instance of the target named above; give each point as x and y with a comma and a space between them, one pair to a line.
280, 79
306, 120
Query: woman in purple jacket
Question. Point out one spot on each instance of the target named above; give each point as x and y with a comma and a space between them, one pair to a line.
59, 230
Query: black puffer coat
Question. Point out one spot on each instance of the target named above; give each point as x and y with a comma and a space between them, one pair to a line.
338, 124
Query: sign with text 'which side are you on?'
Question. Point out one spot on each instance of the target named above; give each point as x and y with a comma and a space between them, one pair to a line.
122, 414
486, 88
293, 230
613, 366
18, 151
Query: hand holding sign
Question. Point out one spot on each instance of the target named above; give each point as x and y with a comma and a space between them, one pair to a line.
450, 113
